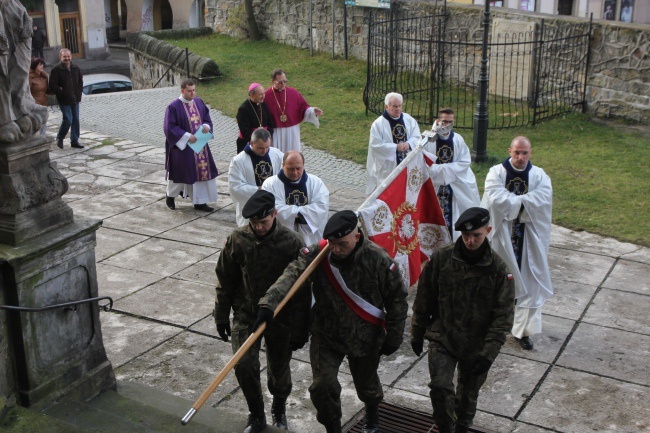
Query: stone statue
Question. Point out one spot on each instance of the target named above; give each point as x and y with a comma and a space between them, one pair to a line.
20, 116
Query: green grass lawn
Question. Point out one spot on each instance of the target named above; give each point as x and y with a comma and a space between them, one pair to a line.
600, 173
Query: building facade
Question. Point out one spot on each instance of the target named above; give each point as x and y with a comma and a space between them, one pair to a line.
74, 24
626, 11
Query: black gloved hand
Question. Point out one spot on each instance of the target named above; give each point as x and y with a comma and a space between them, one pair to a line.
481, 366
223, 329
417, 346
388, 349
300, 219
264, 315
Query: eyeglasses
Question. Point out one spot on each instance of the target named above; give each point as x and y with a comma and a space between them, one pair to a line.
282, 82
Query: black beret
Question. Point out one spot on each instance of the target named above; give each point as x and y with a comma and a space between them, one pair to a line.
472, 219
340, 224
260, 205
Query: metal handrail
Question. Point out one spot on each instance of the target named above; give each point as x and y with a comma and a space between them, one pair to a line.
68, 306
187, 64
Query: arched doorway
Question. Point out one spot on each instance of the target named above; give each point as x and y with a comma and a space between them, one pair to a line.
197, 14
164, 18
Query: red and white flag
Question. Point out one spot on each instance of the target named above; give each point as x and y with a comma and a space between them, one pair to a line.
405, 218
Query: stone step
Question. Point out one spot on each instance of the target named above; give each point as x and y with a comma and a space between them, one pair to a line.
137, 408
22, 420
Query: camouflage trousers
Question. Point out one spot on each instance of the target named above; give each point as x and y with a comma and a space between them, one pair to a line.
452, 408
278, 356
325, 389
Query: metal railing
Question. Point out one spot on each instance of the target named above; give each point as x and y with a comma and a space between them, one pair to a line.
187, 66
533, 76
66, 306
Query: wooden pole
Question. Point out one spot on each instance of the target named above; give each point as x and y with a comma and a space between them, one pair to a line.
252, 339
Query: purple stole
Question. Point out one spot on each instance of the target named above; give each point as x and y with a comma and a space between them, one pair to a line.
201, 160
445, 154
295, 193
262, 166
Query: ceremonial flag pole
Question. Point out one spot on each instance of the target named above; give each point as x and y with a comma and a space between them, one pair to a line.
252, 339
301, 280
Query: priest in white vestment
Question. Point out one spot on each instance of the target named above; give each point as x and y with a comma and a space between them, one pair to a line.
452, 173
301, 199
392, 136
250, 168
519, 197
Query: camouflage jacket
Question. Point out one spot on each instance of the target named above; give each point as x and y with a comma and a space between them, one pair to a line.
246, 269
369, 272
467, 309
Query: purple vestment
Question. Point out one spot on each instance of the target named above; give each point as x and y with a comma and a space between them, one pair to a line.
186, 166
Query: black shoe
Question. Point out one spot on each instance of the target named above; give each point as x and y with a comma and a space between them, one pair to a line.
525, 342
203, 207
461, 429
170, 203
371, 420
278, 409
333, 428
59, 143
256, 424
76, 145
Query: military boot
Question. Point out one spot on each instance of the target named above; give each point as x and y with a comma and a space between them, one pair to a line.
333, 428
278, 409
257, 418
371, 420
461, 429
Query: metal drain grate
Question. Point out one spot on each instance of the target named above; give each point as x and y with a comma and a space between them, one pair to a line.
396, 419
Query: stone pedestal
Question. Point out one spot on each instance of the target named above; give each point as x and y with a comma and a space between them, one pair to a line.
47, 257
59, 351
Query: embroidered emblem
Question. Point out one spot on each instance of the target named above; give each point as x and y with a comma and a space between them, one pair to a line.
445, 154
297, 197
263, 170
517, 186
404, 229
415, 179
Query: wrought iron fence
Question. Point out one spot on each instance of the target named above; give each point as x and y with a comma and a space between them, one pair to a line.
534, 75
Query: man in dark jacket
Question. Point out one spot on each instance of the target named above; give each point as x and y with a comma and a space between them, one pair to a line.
66, 82
464, 306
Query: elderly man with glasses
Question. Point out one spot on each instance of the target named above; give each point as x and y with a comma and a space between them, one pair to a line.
451, 173
288, 109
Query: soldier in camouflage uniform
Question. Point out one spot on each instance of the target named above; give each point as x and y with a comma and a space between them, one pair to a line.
338, 331
464, 306
252, 259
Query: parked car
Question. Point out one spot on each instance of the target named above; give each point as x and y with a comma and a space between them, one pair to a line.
95, 84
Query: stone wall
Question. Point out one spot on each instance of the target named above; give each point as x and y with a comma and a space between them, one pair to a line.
618, 80
151, 58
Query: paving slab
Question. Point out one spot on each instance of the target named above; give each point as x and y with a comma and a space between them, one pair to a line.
184, 366
622, 310
630, 276
202, 231
129, 170
207, 325
104, 149
160, 256
587, 242
126, 337
571, 401
579, 267
547, 345
157, 177
119, 282
152, 219
641, 255
118, 200
609, 352
110, 242
88, 185
201, 272
569, 300
171, 301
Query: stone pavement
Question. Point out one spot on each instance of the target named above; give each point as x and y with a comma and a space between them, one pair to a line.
588, 371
